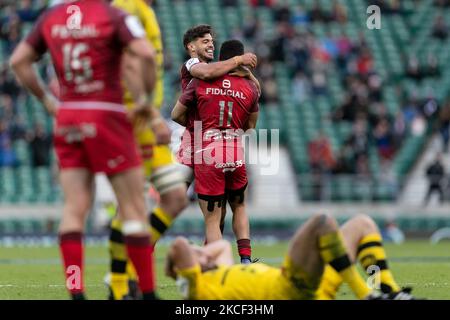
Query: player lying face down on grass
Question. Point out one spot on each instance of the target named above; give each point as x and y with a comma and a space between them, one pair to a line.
225, 107
320, 258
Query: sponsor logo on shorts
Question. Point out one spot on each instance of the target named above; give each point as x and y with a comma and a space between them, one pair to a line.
114, 163
229, 166
74, 134
222, 147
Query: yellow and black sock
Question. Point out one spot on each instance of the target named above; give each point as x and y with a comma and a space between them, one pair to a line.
119, 258
371, 253
329, 284
332, 251
160, 221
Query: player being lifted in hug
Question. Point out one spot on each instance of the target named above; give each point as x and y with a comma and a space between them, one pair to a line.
225, 107
198, 42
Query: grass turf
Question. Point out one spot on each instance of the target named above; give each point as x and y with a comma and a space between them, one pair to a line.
35, 272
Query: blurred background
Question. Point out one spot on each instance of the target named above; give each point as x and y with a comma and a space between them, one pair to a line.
363, 115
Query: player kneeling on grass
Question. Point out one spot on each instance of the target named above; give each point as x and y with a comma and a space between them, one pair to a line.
320, 257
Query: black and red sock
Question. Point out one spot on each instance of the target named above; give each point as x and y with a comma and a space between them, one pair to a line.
71, 247
140, 252
244, 248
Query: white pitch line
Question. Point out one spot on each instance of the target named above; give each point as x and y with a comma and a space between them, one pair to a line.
44, 286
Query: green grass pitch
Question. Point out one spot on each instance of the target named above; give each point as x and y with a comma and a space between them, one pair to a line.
36, 273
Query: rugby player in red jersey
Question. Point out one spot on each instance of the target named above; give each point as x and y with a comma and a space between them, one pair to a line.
86, 39
198, 42
226, 107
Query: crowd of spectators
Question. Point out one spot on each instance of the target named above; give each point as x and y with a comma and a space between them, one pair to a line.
13, 128
309, 58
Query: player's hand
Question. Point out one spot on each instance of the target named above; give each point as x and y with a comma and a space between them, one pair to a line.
242, 72
250, 60
169, 269
50, 103
140, 117
161, 130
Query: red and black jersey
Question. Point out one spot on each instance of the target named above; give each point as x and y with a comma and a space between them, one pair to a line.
224, 103
85, 39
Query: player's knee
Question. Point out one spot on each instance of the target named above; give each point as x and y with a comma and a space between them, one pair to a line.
79, 205
323, 221
168, 178
180, 243
365, 223
175, 201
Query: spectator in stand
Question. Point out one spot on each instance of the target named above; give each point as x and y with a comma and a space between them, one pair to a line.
269, 94
40, 143
27, 13
282, 13
444, 125
413, 69
432, 68
442, 3
10, 29
399, 129
262, 3
365, 63
8, 157
359, 140
410, 110
375, 88
435, 174
299, 16
440, 28
252, 29
339, 13
7, 110
300, 87
348, 110
344, 47
321, 153
322, 163
379, 113
317, 14
298, 53
8, 84
383, 138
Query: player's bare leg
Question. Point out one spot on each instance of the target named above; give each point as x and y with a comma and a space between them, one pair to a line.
222, 218
128, 188
77, 185
212, 214
364, 243
169, 182
315, 244
241, 229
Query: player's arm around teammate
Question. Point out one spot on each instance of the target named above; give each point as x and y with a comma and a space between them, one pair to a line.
178, 113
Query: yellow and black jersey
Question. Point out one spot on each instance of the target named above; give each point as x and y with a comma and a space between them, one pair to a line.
147, 17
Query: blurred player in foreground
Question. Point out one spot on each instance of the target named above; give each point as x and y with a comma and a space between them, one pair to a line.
160, 166
209, 272
86, 39
225, 107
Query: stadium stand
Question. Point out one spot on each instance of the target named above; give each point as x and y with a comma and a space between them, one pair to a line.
301, 97
372, 95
